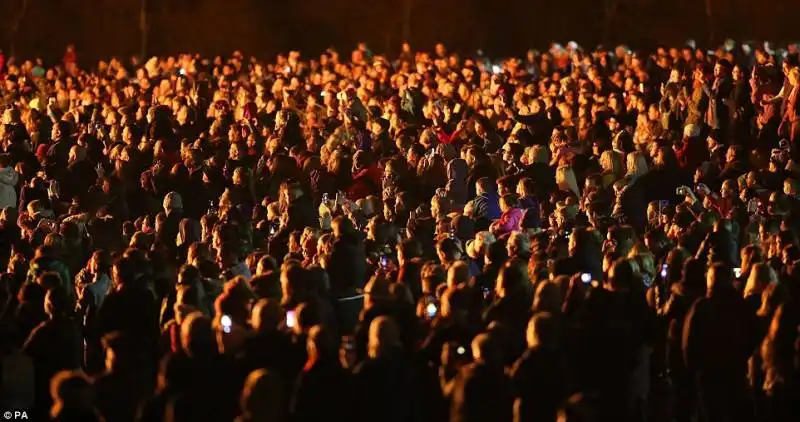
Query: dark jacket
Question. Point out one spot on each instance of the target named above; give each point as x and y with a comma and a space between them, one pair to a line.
54, 345
480, 393
81, 177
541, 384
118, 394
315, 398
718, 113
271, 350
387, 389
169, 231
302, 214
718, 336
132, 310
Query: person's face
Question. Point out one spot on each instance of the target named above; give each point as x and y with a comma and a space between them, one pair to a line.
652, 113
502, 190
233, 152
737, 74
727, 190
479, 129
730, 155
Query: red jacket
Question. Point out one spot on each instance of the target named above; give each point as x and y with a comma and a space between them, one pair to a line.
366, 182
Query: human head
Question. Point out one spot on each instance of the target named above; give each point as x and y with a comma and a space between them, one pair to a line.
266, 315
56, 302
543, 331
70, 389
484, 349
384, 336
518, 245
173, 203
197, 336
320, 343
262, 396
719, 279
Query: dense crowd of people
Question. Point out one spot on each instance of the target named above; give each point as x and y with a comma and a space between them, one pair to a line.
576, 235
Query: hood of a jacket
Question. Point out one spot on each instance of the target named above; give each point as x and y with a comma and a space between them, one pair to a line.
457, 170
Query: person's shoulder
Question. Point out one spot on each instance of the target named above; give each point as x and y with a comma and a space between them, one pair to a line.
363, 367
700, 304
44, 328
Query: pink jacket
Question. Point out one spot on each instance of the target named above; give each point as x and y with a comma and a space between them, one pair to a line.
508, 221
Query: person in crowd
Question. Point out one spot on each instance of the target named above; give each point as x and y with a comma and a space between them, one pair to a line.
119, 390
385, 380
55, 345
540, 378
312, 398
72, 397
717, 342
481, 390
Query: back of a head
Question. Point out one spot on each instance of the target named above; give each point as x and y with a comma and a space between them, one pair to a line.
49, 280
234, 300
128, 268
295, 278
56, 302
543, 331
622, 274
377, 290
485, 184
719, 280
197, 336
118, 344
308, 315
262, 397
547, 298
321, 342
510, 279
266, 315
70, 389
384, 335
484, 349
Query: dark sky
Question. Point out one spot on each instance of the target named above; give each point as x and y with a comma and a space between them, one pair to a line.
101, 28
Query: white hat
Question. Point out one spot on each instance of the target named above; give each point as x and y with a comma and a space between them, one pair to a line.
173, 201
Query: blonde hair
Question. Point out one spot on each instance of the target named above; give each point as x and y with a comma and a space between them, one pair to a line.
611, 161
518, 244
640, 254
565, 179
636, 164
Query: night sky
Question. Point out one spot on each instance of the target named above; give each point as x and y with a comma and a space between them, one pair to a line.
100, 28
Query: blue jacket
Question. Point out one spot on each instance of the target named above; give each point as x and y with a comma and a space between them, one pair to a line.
486, 205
